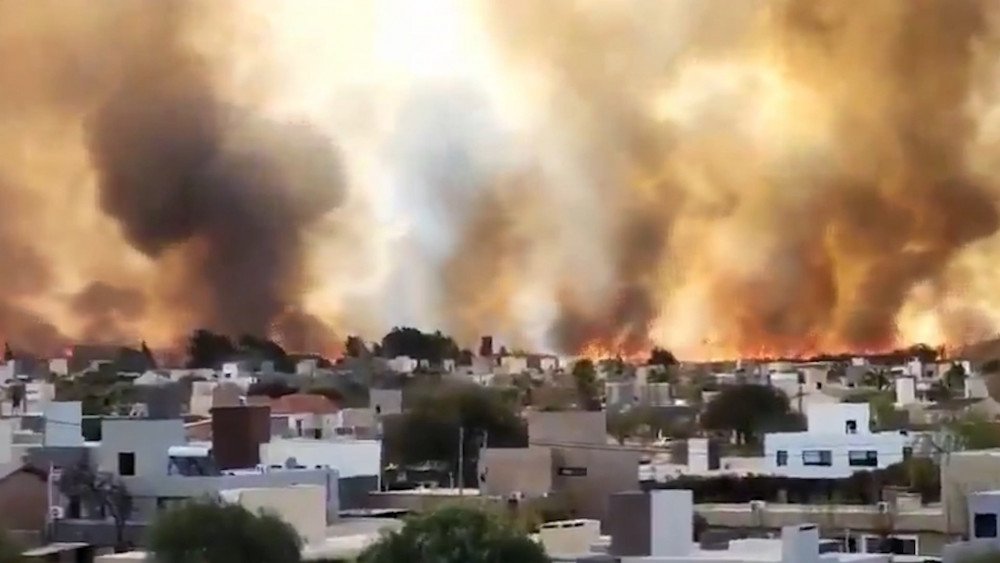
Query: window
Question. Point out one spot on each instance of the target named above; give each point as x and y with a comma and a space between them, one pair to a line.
823, 458
781, 458
862, 458
851, 426
126, 463
984, 525
907, 452
896, 545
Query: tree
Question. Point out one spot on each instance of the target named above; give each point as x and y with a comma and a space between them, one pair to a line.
430, 429
10, 551
148, 354
662, 357
747, 410
954, 378
587, 390
354, 347
410, 342
103, 493
974, 432
877, 378
208, 350
264, 350
209, 531
15, 394
455, 535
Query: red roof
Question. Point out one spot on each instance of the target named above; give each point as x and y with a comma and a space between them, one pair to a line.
298, 403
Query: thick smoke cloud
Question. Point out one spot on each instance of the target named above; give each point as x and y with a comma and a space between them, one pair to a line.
218, 196
759, 234
719, 177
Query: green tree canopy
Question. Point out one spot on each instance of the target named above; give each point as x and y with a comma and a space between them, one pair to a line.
429, 429
975, 432
10, 551
954, 378
662, 357
208, 531
749, 410
455, 535
411, 342
207, 349
587, 387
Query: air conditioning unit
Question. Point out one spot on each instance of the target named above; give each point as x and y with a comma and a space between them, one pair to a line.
883, 507
757, 505
56, 513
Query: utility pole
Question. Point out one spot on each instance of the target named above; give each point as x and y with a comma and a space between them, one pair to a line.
461, 460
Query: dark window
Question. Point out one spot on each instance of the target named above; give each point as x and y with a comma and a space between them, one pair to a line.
984, 525
862, 458
822, 458
819, 385
851, 426
781, 458
907, 452
126, 463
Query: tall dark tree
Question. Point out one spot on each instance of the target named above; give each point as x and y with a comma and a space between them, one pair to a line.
411, 342
749, 410
662, 357
207, 349
262, 349
587, 387
102, 492
355, 347
148, 354
954, 378
207, 531
455, 535
429, 429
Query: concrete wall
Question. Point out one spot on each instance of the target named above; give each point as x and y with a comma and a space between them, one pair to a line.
385, 401
888, 447
504, 471
23, 501
351, 458
303, 506
963, 473
63, 424
574, 427
608, 471
149, 440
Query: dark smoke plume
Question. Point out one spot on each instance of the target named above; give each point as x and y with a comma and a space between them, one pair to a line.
178, 167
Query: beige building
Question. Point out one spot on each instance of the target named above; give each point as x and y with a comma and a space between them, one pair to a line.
568, 457
302, 506
963, 473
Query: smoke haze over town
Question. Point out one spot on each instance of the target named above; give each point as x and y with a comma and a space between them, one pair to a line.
717, 177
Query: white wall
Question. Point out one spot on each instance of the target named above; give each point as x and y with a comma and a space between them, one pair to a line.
887, 445
833, 418
351, 458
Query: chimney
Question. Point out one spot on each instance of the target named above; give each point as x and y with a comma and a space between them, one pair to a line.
237, 433
486, 347
800, 544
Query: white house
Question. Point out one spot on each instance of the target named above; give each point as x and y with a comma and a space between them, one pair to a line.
838, 442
